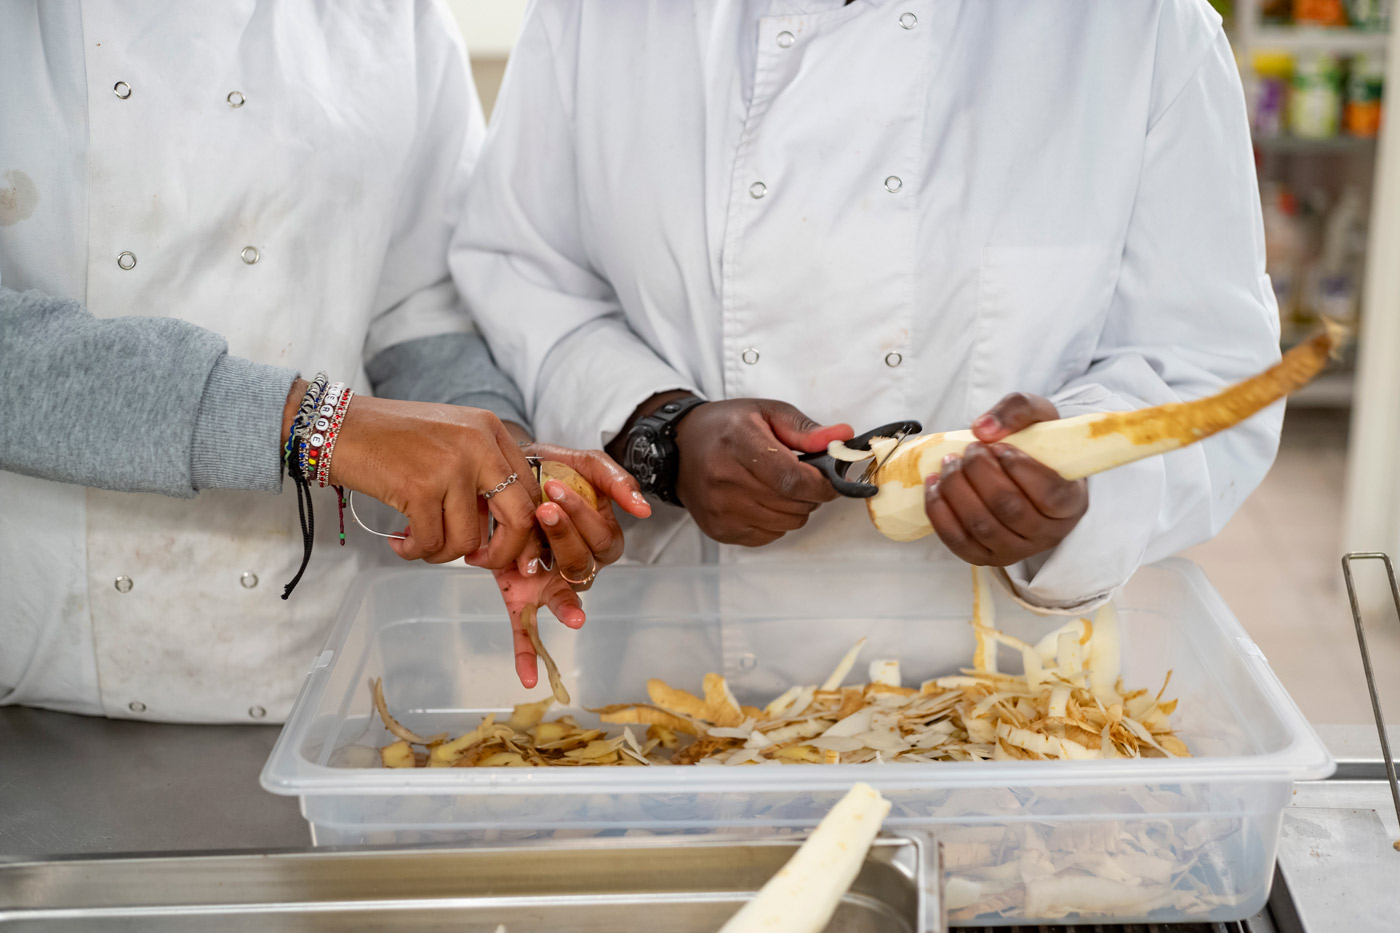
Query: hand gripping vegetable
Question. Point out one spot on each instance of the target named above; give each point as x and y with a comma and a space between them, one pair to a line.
1087, 444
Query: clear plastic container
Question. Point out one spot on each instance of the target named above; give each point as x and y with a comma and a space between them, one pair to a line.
1159, 840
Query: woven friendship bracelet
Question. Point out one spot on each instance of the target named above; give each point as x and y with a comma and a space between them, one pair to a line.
331, 432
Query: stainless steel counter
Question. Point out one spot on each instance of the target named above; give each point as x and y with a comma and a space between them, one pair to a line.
72, 784
76, 784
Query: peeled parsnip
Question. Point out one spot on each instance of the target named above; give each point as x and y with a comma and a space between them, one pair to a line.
1087, 444
805, 892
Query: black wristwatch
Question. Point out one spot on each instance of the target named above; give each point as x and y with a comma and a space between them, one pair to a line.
650, 452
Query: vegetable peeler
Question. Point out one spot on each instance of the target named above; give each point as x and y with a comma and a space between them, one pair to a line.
835, 470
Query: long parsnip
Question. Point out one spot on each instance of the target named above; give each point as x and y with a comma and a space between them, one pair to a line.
805, 892
1087, 444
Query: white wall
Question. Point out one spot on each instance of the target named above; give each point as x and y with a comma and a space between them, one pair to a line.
489, 26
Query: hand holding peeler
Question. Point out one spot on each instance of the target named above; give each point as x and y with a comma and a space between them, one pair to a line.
835, 470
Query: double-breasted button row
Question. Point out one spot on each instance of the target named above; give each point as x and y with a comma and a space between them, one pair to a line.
751, 356
126, 259
235, 99
786, 40
125, 584
254, 712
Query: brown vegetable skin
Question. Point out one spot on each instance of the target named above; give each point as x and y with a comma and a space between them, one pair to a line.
1087, 444
571, 478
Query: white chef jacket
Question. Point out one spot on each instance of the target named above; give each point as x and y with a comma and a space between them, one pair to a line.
893, 209
335, 141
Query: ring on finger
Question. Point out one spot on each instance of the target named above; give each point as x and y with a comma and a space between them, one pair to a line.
501, 486
586, 581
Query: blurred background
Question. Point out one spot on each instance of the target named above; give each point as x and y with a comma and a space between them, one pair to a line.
1314, 74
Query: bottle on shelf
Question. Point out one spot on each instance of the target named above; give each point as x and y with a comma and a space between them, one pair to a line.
1319, 13
1315, 99
1372, 15
1364, 89
1268, 93
1340, 262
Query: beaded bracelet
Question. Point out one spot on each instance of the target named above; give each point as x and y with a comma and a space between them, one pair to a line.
331, 432
313, 435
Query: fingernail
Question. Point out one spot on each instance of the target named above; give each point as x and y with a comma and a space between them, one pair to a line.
931, 479
555, 490
640, 499
533, 567
1004, 451
950, 462
549, 516
986, 423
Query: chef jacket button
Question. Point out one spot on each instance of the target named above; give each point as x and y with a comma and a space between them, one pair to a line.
124, 584
250, 254
248, 579
893, 184
235, 99
749, 356
126, 261
893, 359
908, 20
136, 706
757, 190
786, 39
257, 712
122, 90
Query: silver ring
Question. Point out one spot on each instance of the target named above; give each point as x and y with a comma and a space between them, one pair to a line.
586, 581
500, 487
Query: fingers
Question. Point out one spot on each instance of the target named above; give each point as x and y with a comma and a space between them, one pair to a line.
603, 474
513, 508
1013, 413
997, 505
789, 479
950, 530
526, 667
572, 556
798, 432
564, 603
1052, 495
597, 527
976, 528
1005, 500
424, 535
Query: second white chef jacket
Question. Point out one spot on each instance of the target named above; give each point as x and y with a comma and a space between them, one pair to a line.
286, 174
884, 210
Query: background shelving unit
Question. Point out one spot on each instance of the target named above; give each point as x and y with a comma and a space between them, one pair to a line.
1326, 164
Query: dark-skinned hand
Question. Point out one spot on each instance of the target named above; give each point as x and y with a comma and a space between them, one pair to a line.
995, 505
739, 476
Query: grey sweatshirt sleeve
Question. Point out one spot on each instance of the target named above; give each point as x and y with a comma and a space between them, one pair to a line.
455, 369
134, 404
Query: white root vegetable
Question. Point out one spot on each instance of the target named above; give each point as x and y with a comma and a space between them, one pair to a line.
805, 892
1087, 444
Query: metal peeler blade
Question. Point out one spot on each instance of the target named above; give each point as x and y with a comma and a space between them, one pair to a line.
835, 470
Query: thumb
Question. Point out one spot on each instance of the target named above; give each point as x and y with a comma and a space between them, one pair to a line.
798, 432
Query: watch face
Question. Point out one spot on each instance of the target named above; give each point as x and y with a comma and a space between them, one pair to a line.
640, 458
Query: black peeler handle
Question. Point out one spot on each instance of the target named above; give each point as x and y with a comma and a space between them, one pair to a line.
835, 470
